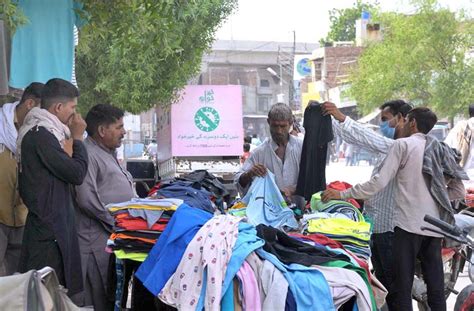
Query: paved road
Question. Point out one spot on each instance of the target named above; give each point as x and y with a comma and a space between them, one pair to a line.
351, 174
463, 281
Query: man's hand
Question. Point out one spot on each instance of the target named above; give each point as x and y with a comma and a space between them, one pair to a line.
331, 109
289, 191
77, 125
68, 146
330, 194
258, 170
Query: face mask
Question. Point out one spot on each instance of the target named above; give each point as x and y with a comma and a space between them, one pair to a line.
387, 131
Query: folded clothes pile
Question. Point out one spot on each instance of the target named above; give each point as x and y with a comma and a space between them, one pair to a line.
138, 225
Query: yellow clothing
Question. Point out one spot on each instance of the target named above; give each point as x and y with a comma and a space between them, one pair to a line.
12, 210
120, 254
238, 205
140, 206
341, 227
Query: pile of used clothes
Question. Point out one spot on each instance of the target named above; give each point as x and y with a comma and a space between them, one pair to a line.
340, 221
138, 225
221, 262
199, 189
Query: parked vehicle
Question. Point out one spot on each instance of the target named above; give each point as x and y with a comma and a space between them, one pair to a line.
440, 131
203, 131
459, 243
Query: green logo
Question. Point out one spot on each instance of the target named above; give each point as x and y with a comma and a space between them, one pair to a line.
207, 119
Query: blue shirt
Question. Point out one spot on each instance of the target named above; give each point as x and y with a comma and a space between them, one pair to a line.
43, 48
165, 256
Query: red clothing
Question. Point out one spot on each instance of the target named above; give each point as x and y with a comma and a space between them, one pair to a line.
244, 157
125, 221
341, 186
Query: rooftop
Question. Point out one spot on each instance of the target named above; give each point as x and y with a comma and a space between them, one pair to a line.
262, 46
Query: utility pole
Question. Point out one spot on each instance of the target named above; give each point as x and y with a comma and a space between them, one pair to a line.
292, 68
281, 70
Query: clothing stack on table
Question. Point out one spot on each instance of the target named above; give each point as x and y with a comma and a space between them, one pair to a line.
221, 262
192, 193
138, 224
342, 222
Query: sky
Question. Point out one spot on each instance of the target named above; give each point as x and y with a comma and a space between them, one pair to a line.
275, 20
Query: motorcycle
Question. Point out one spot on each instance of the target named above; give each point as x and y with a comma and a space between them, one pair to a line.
459, 242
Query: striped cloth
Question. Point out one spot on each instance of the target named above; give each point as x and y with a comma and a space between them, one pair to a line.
380, 207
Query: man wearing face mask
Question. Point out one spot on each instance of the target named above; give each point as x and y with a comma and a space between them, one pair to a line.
106, 182
280, 154
380, 207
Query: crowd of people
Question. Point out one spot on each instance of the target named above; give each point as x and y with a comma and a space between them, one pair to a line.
408, 182
54, 187
56, 182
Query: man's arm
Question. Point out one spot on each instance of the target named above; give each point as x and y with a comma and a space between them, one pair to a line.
249, 170
379, 181
355, 133
71, 170
88, 198
368, 189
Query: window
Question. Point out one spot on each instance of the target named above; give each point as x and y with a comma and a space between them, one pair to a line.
263, 103
264, 83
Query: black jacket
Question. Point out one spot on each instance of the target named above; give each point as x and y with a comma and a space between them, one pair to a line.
46, 176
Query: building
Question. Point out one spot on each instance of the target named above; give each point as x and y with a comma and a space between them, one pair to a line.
263, 69
331, 67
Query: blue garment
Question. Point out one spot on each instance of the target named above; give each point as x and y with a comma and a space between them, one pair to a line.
308, 286
227, 302
266, 205
290, 303
44, 47
246, 243
165, 256
198, 198
119, 288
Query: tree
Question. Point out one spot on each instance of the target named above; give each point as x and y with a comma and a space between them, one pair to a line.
422, 58
343, 21
142, 52
136, 54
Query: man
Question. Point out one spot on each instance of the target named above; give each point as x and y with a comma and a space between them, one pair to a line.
380, 206
152, 149
414, 199
281, 154
12, 210
106, 182
46, 175
246, 153
461, 138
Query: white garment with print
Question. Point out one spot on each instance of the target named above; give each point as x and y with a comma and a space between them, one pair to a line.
205, 260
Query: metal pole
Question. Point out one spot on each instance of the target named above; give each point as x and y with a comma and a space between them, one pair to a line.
292, 65
281, 70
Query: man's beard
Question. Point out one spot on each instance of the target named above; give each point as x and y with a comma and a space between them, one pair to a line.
279, 138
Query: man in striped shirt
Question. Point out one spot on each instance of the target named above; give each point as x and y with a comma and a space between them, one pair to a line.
380, 207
